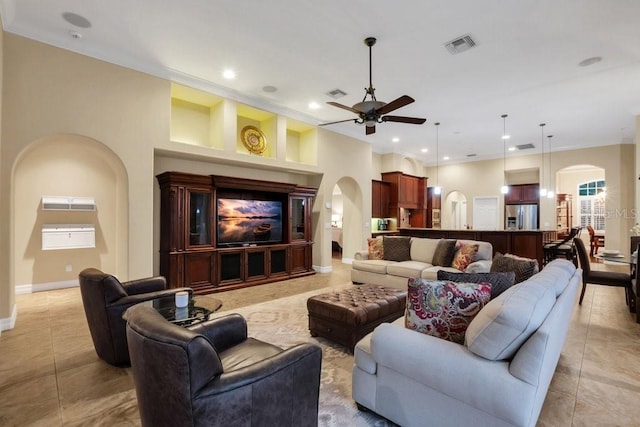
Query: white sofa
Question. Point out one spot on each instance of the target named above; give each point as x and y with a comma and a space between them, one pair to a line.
501, 375
396, 273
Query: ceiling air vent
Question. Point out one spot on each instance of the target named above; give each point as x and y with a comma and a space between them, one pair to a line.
336, 93
525, 146
460, 44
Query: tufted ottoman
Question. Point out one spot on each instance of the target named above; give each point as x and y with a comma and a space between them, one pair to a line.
348, 315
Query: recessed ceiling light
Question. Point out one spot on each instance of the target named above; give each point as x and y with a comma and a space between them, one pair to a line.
506, 136
229, 74
590, 61
314, 105
445, 158
425, 150
77, 20
512, 148
395, 139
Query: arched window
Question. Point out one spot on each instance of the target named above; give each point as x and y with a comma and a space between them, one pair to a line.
591, 199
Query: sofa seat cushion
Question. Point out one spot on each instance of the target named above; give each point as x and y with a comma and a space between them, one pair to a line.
372, 265
407, 268
506, 322
444, 309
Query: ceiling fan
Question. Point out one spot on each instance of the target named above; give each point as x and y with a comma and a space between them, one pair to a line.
373, 111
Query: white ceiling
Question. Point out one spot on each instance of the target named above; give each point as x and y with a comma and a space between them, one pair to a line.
525, 63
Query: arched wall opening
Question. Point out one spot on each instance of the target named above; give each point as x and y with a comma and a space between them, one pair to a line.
350, 201
70, 166
568, 180
454, 211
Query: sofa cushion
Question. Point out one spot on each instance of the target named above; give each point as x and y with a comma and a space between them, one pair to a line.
422, 249
465, 253
506, 322
375, 248
396, 248
523, 267
373, 266
499, 282
444, 309
407, 268
443, 254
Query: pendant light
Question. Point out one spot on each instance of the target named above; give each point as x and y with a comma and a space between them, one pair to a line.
543, 189
505, 188
550, 193
437, 189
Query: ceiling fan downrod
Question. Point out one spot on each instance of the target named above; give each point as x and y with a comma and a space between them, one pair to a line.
370, 41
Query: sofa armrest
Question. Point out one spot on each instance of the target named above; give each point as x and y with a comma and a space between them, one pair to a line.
143, 286
361, 255
223, 332
482, 266
451, 369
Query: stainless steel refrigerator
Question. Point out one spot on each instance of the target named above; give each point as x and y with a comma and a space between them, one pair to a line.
521, 217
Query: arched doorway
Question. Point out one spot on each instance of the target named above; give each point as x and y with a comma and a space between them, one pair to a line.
68, 166
347, 208
586, 186
454, 215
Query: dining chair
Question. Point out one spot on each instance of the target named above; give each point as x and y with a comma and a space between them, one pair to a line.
595, 241
597, 277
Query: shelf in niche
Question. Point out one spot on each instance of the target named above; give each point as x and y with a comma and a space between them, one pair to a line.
265, 121
197, 117
302, 143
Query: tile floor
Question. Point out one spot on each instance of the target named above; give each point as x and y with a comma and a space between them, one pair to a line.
50, 374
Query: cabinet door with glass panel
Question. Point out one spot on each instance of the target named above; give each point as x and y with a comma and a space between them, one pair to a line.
199, 220
298, 218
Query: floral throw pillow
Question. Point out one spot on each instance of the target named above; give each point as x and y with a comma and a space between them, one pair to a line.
376, 250
444, 309
465, 254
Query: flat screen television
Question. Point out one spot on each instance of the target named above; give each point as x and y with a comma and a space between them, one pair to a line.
242, 222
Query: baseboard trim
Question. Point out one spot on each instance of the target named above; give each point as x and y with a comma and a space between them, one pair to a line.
347, 260
40, 287
9, 322
321, 269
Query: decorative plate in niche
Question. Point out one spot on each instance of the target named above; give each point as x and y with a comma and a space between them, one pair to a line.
253, 139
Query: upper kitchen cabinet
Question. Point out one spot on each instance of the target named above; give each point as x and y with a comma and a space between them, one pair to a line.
522, 194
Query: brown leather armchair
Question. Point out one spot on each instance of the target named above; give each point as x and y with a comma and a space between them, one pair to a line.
212, 374
105, 299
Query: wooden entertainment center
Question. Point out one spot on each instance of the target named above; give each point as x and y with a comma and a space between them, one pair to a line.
192, 256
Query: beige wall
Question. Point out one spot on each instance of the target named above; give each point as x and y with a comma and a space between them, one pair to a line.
484, 178
49, 91
96, 111
68, 165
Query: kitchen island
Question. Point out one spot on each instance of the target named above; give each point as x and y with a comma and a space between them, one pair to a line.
524, 243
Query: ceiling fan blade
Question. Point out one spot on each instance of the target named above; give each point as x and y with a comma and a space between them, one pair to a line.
339, 121
395, 104
344, 107
401, 119
370, 129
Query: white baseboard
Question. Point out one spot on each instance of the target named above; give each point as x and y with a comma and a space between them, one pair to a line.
40, 287
347, 260
321, 269
9, 322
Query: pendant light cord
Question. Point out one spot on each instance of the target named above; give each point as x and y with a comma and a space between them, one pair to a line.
504, 149
542, 175
437, 155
